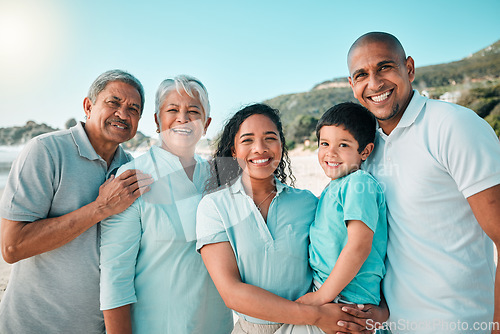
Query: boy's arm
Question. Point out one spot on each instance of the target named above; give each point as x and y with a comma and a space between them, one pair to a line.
352, 257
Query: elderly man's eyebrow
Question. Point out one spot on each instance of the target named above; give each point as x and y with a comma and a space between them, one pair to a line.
117, 98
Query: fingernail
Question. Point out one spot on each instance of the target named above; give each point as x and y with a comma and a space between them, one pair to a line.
341, 323
344, 309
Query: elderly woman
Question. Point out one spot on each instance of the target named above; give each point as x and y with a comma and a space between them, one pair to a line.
152, 279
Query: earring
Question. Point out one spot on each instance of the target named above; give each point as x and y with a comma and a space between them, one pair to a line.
157, 130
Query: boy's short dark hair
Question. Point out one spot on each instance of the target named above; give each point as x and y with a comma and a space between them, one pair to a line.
354, 118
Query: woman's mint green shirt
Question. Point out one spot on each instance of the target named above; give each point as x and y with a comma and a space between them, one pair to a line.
148, 255
272, 256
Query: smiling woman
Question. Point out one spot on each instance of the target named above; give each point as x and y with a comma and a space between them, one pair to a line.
30, 38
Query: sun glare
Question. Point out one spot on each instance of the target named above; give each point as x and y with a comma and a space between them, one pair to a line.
30, 36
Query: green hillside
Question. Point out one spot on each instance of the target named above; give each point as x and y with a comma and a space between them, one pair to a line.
473, 81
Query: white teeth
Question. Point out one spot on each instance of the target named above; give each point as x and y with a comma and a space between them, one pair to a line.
186, 131
381, 97
333, 164
260, 161
119, 126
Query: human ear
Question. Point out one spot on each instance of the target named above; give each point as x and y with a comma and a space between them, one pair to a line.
207, 123
367, 151
158, 126
410, 66
87, 106
352, 87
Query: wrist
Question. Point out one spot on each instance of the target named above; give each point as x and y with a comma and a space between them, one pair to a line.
97, 211
311, 315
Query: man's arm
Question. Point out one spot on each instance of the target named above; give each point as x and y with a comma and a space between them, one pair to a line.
21, 240
486, 208
117, 320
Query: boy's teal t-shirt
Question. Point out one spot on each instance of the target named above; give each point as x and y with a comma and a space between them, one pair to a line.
356, 196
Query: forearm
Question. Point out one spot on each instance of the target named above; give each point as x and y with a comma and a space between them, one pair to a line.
350, 260
486, 208
117, 320
21, 240
496, 315
262, 304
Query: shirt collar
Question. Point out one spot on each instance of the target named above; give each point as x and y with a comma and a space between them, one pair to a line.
119, 159
238, 186
86, 150
411, 112
170, 157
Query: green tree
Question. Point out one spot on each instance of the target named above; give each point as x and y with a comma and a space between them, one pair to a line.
69, 123
301, 128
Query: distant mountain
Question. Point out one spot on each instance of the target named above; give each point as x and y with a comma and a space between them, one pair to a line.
482, 65
473, 81
20, 135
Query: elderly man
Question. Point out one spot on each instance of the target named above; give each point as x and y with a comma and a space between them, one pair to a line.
440, 165
55, 195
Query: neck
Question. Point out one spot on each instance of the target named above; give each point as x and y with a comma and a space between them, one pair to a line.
186, 159
389, 125
185, 155
258, 186
105, 150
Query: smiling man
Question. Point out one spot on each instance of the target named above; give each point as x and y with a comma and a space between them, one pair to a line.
440, 166
55, 195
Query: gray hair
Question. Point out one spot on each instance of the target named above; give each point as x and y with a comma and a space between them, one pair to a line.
102, 81
181, 83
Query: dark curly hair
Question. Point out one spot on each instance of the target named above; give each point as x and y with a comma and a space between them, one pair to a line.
224, 169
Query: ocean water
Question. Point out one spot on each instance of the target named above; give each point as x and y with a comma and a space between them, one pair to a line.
7, 155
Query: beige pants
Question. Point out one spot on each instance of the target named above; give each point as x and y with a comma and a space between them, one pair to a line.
245, 327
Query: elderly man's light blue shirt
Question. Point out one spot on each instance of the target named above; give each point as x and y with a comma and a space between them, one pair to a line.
148, 256
272, 255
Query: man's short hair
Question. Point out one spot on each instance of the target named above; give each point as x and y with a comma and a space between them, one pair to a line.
102, 81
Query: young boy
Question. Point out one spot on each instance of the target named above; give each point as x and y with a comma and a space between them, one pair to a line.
349, 235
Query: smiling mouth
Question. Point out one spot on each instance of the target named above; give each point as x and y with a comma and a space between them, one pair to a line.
260, 161
119, 124
182, 131
380, 98
332, 164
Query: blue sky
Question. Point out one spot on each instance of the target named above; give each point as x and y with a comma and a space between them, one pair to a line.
243, 51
